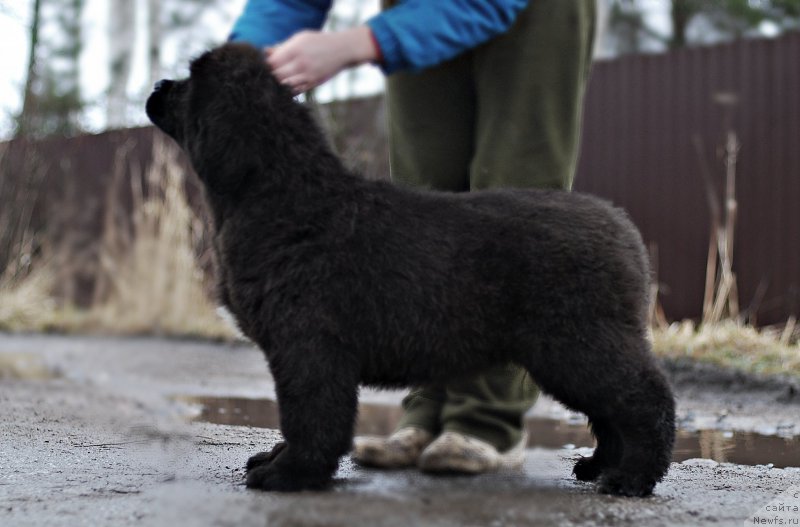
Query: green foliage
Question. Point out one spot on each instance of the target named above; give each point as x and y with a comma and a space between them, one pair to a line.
52, 101
630, 27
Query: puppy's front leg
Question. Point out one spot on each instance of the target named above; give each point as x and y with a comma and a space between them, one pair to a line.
318, 399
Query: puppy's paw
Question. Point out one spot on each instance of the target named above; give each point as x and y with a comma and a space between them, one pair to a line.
268, 477
587, 469
265, 458
630, 485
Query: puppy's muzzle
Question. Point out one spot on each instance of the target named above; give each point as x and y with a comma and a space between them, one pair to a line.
162, 85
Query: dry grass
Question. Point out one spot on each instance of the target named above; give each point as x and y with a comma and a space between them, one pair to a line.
148, 279
26, 303
154, 284
26, 279
728, 344
722, 337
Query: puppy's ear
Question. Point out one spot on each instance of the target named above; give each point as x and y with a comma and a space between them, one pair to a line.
229, 64
200, 65
218, 117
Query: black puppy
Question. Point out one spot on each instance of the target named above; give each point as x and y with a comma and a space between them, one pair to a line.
343, 281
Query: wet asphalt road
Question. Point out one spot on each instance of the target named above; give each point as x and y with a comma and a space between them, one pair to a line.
90, 434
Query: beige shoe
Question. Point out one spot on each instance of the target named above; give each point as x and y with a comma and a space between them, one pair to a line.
452, 452
399, 450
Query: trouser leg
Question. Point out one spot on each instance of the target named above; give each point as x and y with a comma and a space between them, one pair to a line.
530, 85
432, 129
504, 115
422, 408
431, 126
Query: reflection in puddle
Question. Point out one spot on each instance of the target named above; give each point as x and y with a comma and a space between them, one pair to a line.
25, 366
744, 448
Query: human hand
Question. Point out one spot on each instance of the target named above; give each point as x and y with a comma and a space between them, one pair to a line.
309, 58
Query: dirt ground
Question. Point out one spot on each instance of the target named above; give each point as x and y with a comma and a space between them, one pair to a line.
91, 433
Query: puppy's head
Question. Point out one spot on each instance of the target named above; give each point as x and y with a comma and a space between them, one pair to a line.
166, 107
221, 115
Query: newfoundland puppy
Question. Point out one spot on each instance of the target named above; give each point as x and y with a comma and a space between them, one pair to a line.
343, 281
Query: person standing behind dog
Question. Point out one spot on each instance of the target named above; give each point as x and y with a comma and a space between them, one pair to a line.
480, 94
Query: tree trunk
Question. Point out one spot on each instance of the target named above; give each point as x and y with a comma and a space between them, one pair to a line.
26, 115
121, 39
154, 32
681, 13
67, 82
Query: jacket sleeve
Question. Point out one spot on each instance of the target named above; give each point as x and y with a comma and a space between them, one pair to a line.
267, 22
416, 34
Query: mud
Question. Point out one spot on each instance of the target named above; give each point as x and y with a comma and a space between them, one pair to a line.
105, 439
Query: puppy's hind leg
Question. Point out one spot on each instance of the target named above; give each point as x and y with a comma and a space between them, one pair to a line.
317, 398
613, 379
646, 423
607, 454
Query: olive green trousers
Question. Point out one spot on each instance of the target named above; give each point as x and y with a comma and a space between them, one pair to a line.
505, 114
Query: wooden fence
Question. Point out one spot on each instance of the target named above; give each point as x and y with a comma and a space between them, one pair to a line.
645, 116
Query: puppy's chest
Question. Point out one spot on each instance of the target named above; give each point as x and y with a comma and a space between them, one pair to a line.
251, 308
256, 285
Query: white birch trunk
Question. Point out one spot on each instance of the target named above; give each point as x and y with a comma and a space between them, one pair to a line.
601, 46
154, 33
121, 39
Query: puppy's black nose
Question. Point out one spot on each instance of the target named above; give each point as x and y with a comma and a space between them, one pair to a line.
162, 84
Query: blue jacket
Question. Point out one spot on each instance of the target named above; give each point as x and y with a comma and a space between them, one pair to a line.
414, 34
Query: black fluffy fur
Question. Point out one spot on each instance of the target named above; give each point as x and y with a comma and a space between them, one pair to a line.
343, 281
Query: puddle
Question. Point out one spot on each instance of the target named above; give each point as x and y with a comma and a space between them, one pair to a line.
744, 448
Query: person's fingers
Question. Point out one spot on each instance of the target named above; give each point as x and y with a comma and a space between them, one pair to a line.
286, 71
303, 61
299, 83
278, 58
